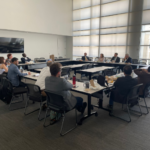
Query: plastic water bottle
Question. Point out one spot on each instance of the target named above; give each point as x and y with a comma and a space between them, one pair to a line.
21, 69
74, 81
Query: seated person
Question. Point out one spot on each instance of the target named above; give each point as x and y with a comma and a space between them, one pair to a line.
101, 58
2, 65
143, 77
115, 59
14, 73
122, 87
8, 60
62, 87
85, 57
25, 58
127, 59
41, 79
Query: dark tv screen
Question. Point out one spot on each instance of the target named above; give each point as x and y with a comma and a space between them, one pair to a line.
11, 45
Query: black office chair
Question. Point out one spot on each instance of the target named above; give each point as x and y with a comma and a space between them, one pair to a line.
34, 94
90, 66
96, 59
132, 97
42, 58
91, 58
109, 72
83, 68
143, 63
65, 71
135, 61
146, 94
57, 104
15, 92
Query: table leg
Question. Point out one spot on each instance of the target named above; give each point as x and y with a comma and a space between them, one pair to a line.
89, 113
90, 77
100, 106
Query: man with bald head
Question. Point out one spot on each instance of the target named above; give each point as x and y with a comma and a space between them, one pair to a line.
85, 57
127, 59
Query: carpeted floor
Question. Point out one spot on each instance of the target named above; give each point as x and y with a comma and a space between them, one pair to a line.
19, 132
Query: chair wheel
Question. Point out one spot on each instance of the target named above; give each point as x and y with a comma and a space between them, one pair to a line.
96, 114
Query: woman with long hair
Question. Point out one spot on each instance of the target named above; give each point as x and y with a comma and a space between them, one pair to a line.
101, 58
2, 65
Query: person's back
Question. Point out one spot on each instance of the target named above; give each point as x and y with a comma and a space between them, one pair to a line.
13, 73
45, 72
143, 77
62, 87
124, 84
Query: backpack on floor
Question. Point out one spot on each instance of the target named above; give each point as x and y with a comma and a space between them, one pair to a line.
5, 90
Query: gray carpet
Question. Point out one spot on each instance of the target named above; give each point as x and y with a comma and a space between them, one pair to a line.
19, 132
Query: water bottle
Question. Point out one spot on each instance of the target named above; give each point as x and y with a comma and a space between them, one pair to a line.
74, 81
21, 69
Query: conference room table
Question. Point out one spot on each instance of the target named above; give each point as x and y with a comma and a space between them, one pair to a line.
72, 67
79, 89
92, 71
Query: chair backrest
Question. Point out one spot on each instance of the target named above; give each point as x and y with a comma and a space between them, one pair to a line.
35, 59
90, 66
96, 59
42, 58
143, 63
34, 92
135, 61
78, 59
60, 57
91, 58
147, 90
84, 67
55, 101
109, 73
65, 71
101, 80
134, 92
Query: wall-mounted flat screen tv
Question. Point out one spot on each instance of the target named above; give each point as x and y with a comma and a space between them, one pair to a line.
11, 45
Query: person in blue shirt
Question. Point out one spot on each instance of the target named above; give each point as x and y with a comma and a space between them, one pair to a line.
14, 73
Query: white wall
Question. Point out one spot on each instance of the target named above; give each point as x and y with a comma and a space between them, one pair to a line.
38, 45
42, 16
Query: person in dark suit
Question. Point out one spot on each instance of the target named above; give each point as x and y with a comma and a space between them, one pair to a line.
143, 77
122, 87
127, 59
25, 58
116, 59
85, 57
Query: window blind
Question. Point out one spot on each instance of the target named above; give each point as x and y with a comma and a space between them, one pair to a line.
109, 26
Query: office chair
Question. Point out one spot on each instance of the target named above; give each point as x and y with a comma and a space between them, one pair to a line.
57, 104
34, 94
132, 96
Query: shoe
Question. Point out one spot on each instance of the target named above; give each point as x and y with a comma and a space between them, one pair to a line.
133, 104
83, 107
44, 107
110, 107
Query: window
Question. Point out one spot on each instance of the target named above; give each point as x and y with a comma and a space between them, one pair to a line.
109, 26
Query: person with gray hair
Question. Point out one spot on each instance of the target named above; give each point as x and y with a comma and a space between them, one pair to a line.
127, 59
45, 72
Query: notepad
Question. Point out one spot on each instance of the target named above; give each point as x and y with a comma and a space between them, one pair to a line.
36, 75
92, 83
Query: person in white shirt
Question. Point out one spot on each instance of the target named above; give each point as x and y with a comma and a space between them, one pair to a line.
101, 58
41, 79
